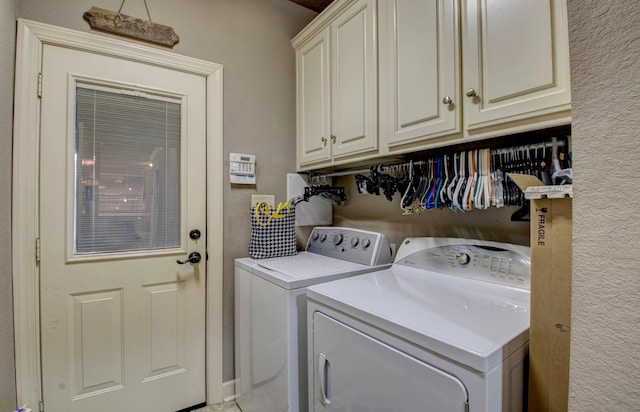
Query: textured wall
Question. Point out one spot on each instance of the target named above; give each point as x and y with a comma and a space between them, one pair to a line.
605, 75
7, 49
251, 39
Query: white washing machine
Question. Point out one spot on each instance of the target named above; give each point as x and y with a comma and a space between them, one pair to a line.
445, 329
270, 313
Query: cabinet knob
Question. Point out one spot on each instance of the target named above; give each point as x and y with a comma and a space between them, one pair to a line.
324, 140
447, 100
471, 93
333, 139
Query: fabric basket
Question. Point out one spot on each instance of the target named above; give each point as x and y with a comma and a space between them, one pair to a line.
273, 231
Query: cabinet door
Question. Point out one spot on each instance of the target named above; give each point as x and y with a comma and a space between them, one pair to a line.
419, 70
354, 80
355, 372
313, 94
515, 63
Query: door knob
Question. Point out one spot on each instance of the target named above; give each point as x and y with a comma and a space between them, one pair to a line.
195, 234
194, 257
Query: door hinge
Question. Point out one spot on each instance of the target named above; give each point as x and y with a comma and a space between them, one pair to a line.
38, 249
41, 406
39, 85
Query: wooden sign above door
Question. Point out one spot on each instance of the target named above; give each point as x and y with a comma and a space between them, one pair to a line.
118, 23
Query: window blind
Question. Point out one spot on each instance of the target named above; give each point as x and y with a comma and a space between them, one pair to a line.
127, 171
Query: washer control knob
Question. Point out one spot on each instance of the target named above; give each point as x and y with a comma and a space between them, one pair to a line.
463, 258
315, 236
337, 238
354, 241
323, 237
366, 243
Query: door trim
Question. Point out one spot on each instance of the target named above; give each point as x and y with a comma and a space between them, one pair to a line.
31, 38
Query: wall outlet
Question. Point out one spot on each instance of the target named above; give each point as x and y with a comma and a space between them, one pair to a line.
255, 199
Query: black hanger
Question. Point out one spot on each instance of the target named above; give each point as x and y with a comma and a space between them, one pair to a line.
334, 193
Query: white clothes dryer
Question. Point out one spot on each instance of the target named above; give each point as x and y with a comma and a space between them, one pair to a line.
445, 329
270, 313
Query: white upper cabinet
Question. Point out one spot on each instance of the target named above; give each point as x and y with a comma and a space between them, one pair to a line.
354, 80
337, 83
313, 104
419, 75
515, 65
451, 71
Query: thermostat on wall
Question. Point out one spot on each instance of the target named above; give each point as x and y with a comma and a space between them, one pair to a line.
242, 168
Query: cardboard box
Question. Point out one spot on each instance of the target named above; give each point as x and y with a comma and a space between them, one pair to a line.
551, 255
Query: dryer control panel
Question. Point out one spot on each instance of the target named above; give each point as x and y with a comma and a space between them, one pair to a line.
354, 245
488, 261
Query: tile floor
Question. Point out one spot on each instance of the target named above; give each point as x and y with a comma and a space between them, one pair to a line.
223, 407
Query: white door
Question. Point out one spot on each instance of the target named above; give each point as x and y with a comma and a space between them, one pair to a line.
122, 184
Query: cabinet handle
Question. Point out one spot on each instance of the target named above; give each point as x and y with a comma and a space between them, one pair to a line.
324, 140
333, 139
471, 93
447, 100
323, 375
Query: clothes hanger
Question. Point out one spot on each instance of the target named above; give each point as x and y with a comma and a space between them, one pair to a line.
467, 199
488, 189
459, 191
407, 197
479, 192
438, 183
477, 187
454, 181
430, 189
444, 198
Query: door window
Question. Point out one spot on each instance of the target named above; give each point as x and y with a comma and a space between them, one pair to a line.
127, 171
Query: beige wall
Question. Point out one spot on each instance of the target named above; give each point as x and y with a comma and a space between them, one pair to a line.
251, 39
7, 48
605, 72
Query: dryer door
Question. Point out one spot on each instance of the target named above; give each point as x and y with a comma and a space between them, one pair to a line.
355, 372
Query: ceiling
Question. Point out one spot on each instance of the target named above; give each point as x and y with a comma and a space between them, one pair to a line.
315, 5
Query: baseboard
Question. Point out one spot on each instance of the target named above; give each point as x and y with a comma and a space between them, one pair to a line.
229, 390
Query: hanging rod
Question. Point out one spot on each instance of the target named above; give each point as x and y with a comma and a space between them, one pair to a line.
533, 146
555, 143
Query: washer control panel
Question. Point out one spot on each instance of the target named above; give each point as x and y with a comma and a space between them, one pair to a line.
354, 245
476, 261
